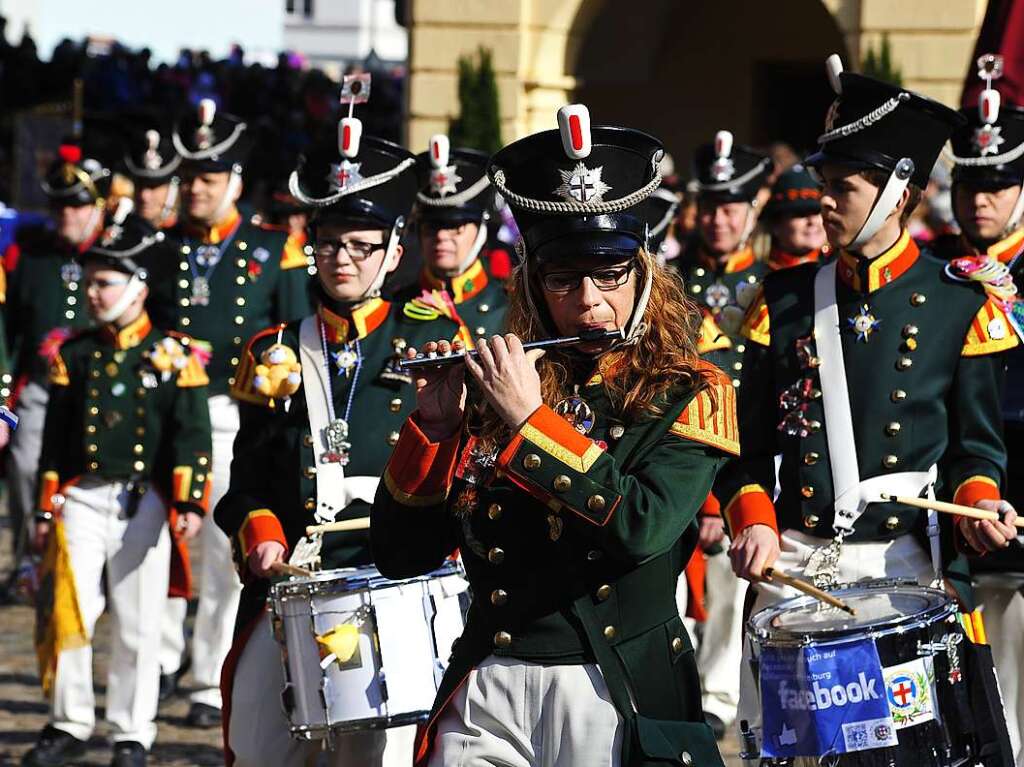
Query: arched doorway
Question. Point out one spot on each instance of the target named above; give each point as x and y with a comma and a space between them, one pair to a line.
683, 70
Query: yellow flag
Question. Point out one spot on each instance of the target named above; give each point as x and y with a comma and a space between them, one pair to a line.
342, 641
59, 624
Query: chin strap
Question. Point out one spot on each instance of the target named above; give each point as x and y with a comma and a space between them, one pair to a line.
389, 253
230, 192
748, 225
171, 200
885, 204
474, 251
132, 289
93, 222
1015, 215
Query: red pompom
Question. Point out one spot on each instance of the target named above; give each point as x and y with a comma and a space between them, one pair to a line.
70, 153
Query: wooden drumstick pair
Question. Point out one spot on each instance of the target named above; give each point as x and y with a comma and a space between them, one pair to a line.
950, 508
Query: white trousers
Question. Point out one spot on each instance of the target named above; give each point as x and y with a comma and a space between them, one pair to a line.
721, 647
902, 557
23, 464
1003, 601
219, 586
172, 632
258, 733
136, 555
517, 714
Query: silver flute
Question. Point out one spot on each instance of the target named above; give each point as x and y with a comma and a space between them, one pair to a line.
435, 360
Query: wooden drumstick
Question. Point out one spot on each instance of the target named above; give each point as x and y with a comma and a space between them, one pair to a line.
344, 526
771, 574
950, 508
283, 568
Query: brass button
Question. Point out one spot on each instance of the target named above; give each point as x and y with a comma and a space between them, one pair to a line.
239, 319
94, 410
596, 503
910, 344
140, 431
395, 405
909, 331
617, 431
239, 280
890, 461
309, 472
72, 300
609, 632
310, 504
531, 462
677, 644
893, 428
242, 245
736, 383
70, 314
740, 348
496, 556
898, 395
484, 308
197, 494
184, 302
695, 289
237, 340
916, 299
737, 366
307, 440
185, 322
94, 393
904, 363
811, 521
393, 438
234, 362
892, 523
139, 466
807, 491
499, 597
700, 271
90, 429
481, 331
811, 458
200, 477
138, 448
594, 554
97, 354
562, 483
494, 511
93, 466
240, 301
240, 263
502, 639
182, 283
94, 373
92, 448
603, 592
140, 412
751, 279
814, 426
203, 460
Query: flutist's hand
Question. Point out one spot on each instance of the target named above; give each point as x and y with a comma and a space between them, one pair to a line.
508, 378
984, 535
440, 392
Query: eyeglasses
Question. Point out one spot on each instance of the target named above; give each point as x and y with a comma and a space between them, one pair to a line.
357, 250
605, 278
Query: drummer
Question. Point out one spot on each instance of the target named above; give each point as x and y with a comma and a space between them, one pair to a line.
874, 397
572, 486
331, 449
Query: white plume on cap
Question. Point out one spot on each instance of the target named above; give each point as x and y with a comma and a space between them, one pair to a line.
988, 105
439, 148
207, 111
834, 67
723, 143
152, 139
125, 205
574, 126
350, 131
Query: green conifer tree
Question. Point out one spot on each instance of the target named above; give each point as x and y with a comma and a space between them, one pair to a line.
880, 65
478, 125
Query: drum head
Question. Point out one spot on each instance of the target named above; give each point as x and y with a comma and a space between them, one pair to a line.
880, 606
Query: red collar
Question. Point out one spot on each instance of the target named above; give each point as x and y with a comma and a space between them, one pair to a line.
868, 275
1006, 248
468, 284
780, 259
365, 318
736, 261
218, 232
130, 335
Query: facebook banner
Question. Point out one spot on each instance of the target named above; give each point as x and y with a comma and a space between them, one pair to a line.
824, 700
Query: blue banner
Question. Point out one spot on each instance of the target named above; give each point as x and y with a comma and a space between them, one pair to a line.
820, 700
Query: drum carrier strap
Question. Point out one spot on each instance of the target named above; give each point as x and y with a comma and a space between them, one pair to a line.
852, 495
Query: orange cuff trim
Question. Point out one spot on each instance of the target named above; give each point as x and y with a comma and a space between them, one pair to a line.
419, 472
49, 484
976, 488
750, 506
260, 526
555, 436
181, 484
711, 507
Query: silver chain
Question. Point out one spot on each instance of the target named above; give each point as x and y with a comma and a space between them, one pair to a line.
454, 200
996, 159
367, 183
866, 121
579, 208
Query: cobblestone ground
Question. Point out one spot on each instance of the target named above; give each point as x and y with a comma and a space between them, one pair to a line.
23, 711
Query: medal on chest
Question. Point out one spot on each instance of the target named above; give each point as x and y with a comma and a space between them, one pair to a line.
200, 295
863, 323
476, 465
717, 296
336, 439
337, 431
577, 412
71, 274
345, 360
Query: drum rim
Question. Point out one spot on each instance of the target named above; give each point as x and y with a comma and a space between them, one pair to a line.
358, 579
938, 613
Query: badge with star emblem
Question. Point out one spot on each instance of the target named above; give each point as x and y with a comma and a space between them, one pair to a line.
582, 184
863, 324
987, 139
443, 180
344, 175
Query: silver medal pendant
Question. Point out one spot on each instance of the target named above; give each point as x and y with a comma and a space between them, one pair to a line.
577, 412
345, 360
336, 437
200, 292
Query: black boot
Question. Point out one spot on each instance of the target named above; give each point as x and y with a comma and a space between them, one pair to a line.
169, 682
203, 715
54, 749
128, 753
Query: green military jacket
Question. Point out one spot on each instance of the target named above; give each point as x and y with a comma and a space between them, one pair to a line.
717, 288
557, 517
480, 299
923, 370
45, 301
128, 405
272, 495
259, 279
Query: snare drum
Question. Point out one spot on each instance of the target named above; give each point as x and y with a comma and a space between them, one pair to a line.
886, 687
360, 651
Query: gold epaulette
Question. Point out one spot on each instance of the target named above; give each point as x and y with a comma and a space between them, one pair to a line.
756, 326
712, 338
710, 417
294, 255
59, 371
990, 332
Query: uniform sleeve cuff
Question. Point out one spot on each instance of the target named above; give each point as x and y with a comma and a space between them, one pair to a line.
711, 507
419, 472
260, 526
49, 484
751, 505
549, 432
976, 488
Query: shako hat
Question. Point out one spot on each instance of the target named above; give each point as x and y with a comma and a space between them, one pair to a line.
728, 172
